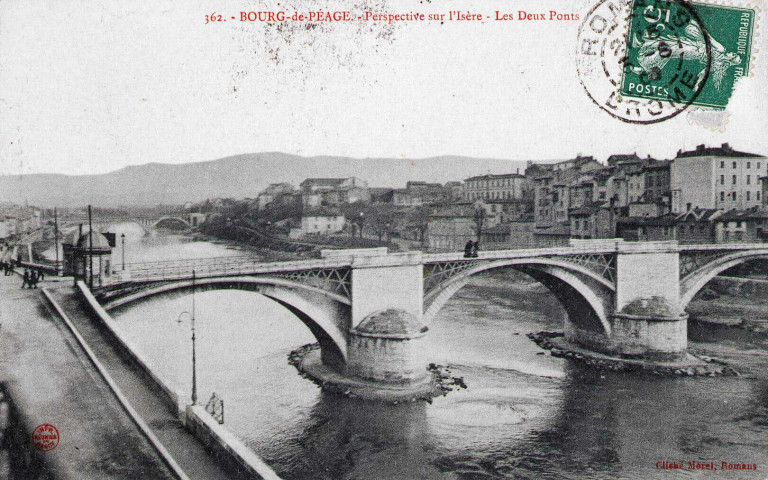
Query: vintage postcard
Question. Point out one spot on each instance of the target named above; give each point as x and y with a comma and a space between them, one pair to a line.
378, 239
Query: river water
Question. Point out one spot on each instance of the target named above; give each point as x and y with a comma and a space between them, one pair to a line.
524, 414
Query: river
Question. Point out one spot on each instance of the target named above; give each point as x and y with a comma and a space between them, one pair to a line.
524, 414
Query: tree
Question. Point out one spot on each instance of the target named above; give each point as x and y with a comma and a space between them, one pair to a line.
480, 216
419, 217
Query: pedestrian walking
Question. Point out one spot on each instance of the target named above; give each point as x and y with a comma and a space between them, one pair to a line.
40, 274
475, 247
25, 279
468, 249
33, 279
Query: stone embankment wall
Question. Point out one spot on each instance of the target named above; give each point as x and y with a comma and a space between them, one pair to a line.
749, 288
226, 446
172, 397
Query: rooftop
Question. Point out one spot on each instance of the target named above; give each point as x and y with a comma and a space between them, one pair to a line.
494, 177
723, 150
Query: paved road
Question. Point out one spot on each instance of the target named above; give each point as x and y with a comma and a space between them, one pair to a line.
51, 380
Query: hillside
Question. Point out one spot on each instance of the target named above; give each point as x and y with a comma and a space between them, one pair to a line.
237, 176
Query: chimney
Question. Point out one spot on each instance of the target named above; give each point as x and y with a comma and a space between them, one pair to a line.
700, 148
726, 147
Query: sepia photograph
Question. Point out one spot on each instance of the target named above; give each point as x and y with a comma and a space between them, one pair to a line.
384, 240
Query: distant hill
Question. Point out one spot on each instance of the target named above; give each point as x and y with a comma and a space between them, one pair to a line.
238, 176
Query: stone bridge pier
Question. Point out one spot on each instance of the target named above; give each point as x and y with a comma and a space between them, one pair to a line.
648, 319
387, 331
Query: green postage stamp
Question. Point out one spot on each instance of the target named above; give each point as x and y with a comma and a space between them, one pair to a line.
691, 53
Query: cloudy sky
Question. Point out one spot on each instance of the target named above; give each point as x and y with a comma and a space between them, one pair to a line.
89, 87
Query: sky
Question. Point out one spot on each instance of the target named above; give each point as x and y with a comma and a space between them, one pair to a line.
91, 87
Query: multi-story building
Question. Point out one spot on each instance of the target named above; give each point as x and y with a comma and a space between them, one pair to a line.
595, 220
455, 191
494, 187
321, 222
747, 226
269, 194
716, 177
420, 193
552, 190
333, 191
693, 226
657, 183
450, 227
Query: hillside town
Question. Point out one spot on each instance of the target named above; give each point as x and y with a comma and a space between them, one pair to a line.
704, 195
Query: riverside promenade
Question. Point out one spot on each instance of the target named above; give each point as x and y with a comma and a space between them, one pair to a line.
51, 379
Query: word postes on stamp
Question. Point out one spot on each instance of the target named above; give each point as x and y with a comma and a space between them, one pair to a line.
664, 41
668, 77
45, 437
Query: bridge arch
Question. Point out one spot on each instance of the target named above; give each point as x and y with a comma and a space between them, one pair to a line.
696, 280
586, 296
180, 220
325, 314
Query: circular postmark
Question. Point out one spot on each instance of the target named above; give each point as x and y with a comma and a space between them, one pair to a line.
643, 61
45, 437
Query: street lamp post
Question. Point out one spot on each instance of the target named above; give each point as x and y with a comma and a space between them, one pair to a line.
122, 237
194, 356
361, 221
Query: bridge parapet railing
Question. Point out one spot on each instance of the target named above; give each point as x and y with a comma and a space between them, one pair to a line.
218, 266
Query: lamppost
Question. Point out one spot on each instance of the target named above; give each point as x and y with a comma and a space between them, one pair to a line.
194, 357
122, 237
361, 220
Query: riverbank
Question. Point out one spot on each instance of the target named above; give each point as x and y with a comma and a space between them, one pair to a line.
734, 302
690, 365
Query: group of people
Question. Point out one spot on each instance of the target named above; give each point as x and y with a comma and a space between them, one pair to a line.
31, 277
7, 268
470, 249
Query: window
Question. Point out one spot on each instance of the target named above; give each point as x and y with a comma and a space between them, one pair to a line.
758, 165
734, 164
722, 179
749, 179
748, 192
722, 164
734, 179
738, 224
733, 195
749, 164
722, 196
757, 196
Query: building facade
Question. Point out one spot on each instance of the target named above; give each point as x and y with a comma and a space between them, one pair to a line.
494, 187
717, 177
321, 222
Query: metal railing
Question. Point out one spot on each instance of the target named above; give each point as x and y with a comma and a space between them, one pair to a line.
216, 266
215, 407
249, 265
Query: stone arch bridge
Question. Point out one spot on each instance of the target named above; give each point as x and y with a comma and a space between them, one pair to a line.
147, 222
370, 311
